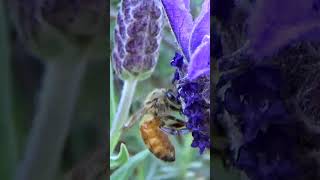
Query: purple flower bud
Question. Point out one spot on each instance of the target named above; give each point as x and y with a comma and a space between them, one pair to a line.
137, 38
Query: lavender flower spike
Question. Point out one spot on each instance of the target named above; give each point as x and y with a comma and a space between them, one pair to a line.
137, 38
192, 76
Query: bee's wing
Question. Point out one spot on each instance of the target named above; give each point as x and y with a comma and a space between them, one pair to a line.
175, 132
134, 118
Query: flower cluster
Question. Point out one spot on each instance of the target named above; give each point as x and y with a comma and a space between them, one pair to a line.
195, 103
192, 66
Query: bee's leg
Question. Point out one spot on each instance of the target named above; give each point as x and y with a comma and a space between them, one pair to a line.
133, 119
173, 101
169, 119
177, 108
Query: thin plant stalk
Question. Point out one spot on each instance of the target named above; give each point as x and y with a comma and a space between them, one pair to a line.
57, 102
113, 102
122, 112
7, 138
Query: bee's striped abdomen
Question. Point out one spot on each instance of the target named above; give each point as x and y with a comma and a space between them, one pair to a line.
157, 141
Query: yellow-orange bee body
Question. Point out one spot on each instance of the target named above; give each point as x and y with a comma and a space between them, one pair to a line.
157, 122
156, 140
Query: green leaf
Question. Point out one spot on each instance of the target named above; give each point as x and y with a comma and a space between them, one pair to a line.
113, 103
141, 172
125, 171
121, 158
114, 141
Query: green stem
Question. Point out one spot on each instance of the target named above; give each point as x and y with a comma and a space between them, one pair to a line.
113, 103
7, 138
122, 111
57, 102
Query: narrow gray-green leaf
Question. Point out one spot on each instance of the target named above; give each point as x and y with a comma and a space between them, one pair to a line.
126, 170
121, 158
114, 141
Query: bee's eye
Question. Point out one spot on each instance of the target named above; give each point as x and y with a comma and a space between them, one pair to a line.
170, 95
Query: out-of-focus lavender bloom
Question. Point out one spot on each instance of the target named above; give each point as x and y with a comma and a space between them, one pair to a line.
254, 97
217, 46
285, 151
222, 9
268, 108
262, 161
267, 141
56, 28
137, 38
193, 66
275, 24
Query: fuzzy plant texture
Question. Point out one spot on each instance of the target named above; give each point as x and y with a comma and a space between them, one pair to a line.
137, 39
267, 99
192, 65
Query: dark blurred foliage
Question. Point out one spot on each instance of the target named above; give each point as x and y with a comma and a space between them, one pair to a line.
85, 147
88, 131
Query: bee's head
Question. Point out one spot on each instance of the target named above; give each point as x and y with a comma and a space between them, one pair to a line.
165, 96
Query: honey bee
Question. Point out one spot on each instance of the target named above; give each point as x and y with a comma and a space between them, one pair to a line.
157, 121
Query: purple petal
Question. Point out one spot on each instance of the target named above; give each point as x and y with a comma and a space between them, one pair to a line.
181, 22
201, 27
200, 60
276, 23
187, 4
